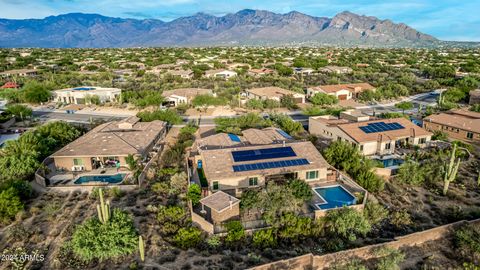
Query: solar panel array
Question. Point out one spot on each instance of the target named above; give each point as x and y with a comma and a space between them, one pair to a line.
270, 165
381, 126
284, 134
267, 153
234, 137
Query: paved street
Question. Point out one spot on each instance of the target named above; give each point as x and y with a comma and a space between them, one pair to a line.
424, 99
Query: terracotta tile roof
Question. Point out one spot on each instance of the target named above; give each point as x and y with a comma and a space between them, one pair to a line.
218, 163
10, 85
411, 130
272, 91
219, 201
459, 121
352, 87
250, 136
189, 93
109, 140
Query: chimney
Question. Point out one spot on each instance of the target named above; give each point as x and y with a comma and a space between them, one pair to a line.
230, 200
283, 143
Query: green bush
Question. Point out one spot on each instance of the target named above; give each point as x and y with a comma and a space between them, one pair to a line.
265, 239
194, 193
323, 99
375, 213
467, 239
300, 189
235, 232
10, 205
346, 223
95, 240
188, 237
390, 259
169, 116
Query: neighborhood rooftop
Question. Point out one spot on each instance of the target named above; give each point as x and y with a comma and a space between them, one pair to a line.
361, 132
219, 163
250, 137
124, 137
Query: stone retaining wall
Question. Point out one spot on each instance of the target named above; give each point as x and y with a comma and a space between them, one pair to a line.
310, 261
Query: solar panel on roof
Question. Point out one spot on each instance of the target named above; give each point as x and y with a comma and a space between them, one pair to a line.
270, 165
234, 137
284, 134
381, 126
267, 153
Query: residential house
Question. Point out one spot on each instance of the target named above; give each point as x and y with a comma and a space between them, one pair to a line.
474, 97
373, 137
184, 74
226, 165
336, 69
232, 163
273, 92
303, 71
10, 85
260, 72
179, 96
341, 91
457, 124
19, 73
109, 144
84, 95
220, 73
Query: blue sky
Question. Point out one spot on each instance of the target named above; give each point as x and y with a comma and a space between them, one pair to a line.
444, 19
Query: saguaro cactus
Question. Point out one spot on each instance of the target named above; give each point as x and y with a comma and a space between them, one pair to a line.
451, 171
103, 209
141, 248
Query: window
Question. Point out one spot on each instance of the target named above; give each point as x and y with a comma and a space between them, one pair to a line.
388, 146
422, 140
253, 181
77, 161
312, 175
215, 185
469, 135
361, 147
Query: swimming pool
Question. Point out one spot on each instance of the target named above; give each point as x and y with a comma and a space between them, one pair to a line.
390, 162
333, 197
111, 179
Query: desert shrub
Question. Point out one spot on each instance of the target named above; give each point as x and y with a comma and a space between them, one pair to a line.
10, 205
346, 223
114, 192
172, 218
235, 232
169, 116
411, 172
160, 188
178, 182
353, 264
467, 239
293, 227
18, 232
400, 219
188, 237
300, 189
375, 213
194, 193
214, 241
390, 259
96, 240
265, 239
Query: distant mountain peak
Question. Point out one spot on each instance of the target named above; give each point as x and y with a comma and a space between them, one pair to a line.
245, 27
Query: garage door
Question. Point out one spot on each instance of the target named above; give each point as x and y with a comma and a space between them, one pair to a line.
342, 97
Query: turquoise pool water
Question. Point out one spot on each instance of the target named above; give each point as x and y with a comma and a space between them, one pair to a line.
391, 162
334, 196
111, 179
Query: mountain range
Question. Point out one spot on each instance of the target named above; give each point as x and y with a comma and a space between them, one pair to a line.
246, 27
